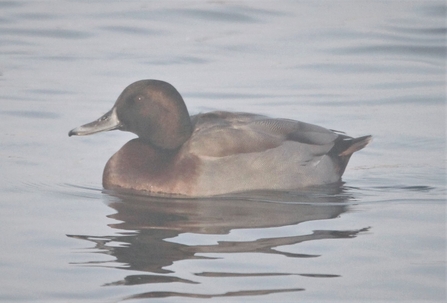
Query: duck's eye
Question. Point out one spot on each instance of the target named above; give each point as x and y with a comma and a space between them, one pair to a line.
139, 98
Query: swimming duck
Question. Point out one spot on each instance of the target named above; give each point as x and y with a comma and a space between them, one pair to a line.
217, 152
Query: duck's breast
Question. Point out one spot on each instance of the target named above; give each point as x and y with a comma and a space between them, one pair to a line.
139, 166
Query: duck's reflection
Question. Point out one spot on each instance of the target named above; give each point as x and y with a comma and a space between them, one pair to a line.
147, 223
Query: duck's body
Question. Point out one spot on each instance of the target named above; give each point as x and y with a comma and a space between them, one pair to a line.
217, 152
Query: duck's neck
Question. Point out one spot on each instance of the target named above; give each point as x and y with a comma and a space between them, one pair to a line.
171, 136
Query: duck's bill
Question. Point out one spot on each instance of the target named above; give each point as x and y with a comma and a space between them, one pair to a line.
108, 121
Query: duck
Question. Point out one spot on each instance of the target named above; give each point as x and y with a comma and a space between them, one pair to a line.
214, 153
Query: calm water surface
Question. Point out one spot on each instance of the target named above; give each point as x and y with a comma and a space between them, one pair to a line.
361, 67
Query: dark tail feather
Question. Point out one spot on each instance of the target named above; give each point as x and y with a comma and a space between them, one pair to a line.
355, 145
344, 148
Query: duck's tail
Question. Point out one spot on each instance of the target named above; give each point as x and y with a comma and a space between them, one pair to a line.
344, 148
355, 144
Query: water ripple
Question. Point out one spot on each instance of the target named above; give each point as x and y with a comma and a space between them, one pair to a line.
48, 33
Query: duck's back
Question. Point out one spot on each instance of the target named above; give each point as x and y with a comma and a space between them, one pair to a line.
242, 152
219, 134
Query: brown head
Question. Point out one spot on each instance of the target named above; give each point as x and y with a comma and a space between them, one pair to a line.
152, 109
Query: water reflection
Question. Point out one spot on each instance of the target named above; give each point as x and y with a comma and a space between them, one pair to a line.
149, 225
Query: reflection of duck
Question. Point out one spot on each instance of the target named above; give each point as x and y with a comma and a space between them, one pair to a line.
150, 225
217, 152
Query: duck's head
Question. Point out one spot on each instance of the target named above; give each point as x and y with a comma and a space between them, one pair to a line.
152, 109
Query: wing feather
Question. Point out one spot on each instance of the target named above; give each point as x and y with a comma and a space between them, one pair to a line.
219, 134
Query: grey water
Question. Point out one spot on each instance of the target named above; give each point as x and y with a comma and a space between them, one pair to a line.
363, 67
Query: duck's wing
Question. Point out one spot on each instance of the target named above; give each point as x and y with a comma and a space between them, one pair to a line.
220, 134
338, 143
296, 131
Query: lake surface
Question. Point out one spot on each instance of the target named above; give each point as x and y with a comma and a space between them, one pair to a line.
376, 67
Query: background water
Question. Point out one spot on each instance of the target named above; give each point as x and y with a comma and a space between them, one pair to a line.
364, 67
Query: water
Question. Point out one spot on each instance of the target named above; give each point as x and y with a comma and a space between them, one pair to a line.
361, 67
